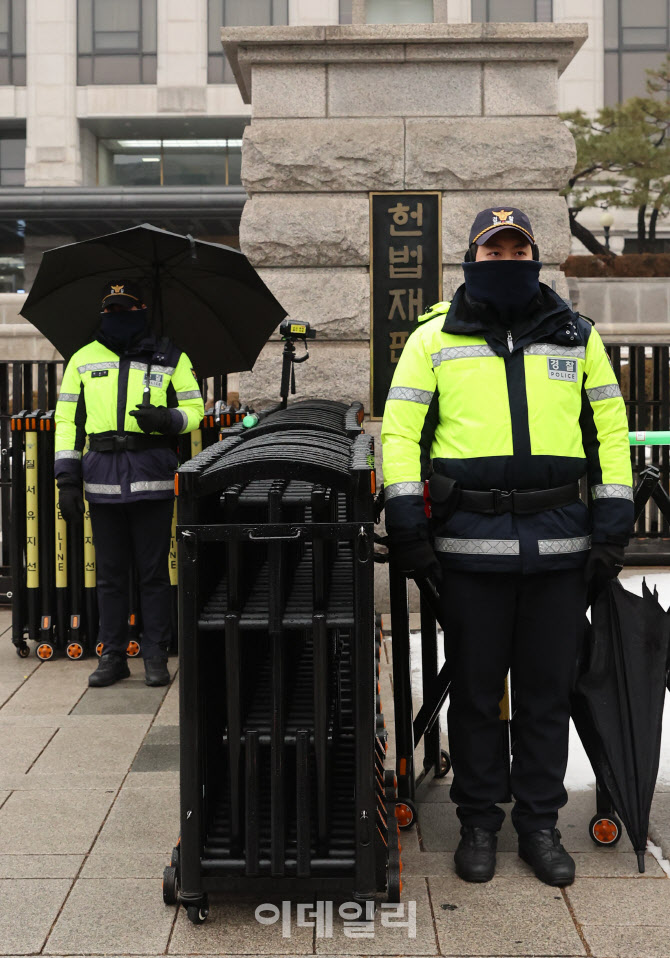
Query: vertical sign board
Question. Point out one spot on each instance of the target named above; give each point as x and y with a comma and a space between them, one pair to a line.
405, 278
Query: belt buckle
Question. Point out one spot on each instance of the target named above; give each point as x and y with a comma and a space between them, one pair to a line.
503, 501
121, 442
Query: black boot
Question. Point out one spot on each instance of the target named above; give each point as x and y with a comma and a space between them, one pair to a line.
156, 672
475, 857
547, 857
111, 667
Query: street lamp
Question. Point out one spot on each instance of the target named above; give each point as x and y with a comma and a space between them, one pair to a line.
606, 220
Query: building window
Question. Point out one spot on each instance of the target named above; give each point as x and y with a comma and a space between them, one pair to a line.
399, 11
12, 159
345, 11
512, 11
13, 42
169, 162
637, 39
237, 13
116, 41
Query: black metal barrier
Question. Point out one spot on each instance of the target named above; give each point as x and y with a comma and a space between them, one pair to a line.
282, 734
53, 580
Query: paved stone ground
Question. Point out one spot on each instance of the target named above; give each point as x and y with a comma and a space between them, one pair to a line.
89, 814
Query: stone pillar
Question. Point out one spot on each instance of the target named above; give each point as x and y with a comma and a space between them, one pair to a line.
467, 109
52, 131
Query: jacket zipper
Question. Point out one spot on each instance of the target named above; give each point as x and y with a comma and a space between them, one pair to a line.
510, 341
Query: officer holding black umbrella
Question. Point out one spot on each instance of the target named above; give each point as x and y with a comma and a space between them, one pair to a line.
132, 394
507, 397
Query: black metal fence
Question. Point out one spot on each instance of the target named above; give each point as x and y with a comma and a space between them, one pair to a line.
33, 386
644, 374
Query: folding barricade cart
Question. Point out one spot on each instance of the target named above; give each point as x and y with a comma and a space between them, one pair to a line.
605, 828
282, 737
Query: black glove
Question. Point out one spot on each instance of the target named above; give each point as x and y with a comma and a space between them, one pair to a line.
605, 562
415, 557
71, 501
153, 418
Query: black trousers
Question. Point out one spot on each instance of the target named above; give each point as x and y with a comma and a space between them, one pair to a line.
531, 625
139, 531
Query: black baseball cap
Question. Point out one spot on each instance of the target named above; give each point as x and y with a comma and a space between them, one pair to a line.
497, 218
121, 292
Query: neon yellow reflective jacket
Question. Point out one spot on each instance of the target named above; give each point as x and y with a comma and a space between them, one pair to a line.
491, 412
98, 391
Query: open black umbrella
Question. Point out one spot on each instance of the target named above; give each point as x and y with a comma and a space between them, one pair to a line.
618, 701
207, 298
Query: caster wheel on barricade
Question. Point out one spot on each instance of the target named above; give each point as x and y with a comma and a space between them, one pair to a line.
174, 857
45, 651
133, 649
22, 651
98, 649
605, 830
445, 764
198, 913
405, 813
170, 885
75, 650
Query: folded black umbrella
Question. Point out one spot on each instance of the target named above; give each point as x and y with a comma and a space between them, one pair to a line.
618, 701
207, 298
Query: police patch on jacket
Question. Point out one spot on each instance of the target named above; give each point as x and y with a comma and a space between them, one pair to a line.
564, 369
156, 380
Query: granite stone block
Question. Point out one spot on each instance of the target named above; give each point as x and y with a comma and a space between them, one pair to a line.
336, 301
40, 866
120, 699
547, 212
294, 230
502, 917
659, 822
19, 750
27, 911
53, 689
109, 862
69, 828
339, 371
72, 751
333, 155
479, 153
387, 939
520, 88
142, 819
618, 902
404, 89
232, 920
168, 714
118, 916
627, 941
297, 89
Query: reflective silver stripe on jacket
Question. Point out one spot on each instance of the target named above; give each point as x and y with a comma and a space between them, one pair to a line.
184, 416
164, 370
555, 547
612, 490
407, 393
460, 352
91, 367
548, 349
157, 486
479, 547
603, 392
67, 454
102, 489
68, 397
403, 489
190, 394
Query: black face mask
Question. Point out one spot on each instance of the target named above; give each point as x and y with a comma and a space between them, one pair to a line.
122, 327
504, 284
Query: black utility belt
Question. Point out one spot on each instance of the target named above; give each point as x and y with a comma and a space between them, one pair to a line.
521, 503
131, 441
